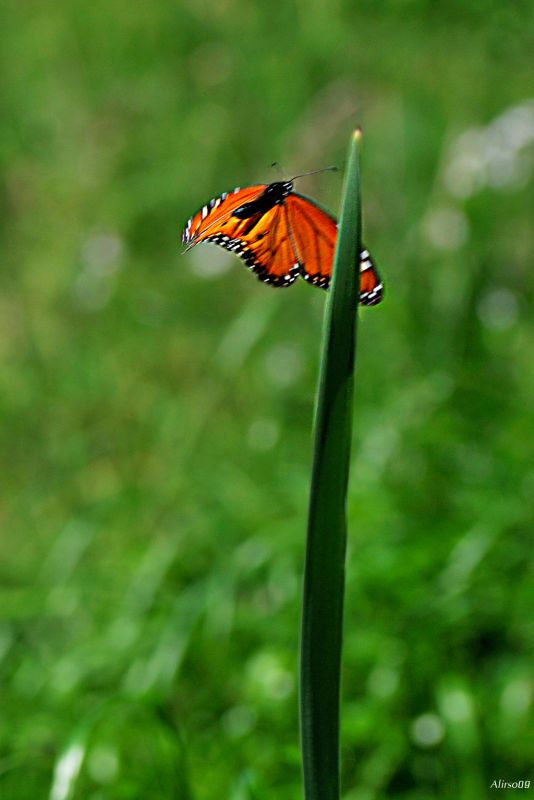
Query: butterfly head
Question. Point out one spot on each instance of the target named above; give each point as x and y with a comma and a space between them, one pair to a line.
277, 192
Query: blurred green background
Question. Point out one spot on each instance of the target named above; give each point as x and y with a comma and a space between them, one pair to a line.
156, 408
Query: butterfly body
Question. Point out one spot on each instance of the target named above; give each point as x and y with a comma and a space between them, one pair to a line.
274, 194
279, 234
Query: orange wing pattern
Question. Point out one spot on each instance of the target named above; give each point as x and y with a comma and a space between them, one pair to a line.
315, 232
262, 240
294, 236
212, 217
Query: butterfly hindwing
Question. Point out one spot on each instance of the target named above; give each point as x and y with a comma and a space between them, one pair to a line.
263, 242
371, 288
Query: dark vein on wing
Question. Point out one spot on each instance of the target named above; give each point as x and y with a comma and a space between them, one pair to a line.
253, 222
274, 252
291, 237
316, 233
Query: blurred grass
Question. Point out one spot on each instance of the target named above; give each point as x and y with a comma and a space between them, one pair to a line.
155, 409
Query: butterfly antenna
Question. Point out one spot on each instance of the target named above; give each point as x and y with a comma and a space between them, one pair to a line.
275, 165
314, 172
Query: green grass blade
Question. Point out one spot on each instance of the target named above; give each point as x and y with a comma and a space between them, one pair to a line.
324, 579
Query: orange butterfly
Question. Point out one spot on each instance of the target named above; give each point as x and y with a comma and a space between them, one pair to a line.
280, 235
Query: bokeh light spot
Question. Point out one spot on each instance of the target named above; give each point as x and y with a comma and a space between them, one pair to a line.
445, 228
103, 764
263, 434
498, 309
427, 730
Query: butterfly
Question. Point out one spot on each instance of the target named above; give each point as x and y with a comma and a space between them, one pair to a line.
279, 234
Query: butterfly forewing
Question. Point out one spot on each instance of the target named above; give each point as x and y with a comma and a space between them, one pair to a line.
315, 232
214, 216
